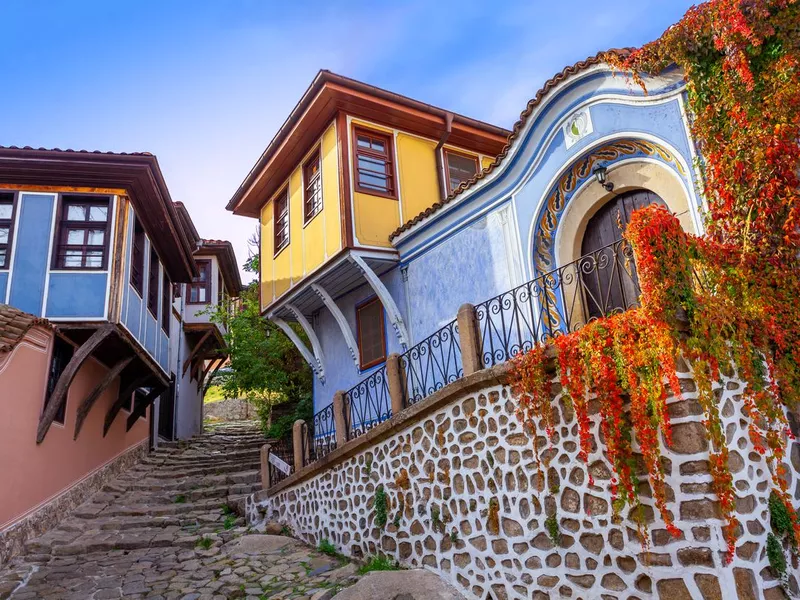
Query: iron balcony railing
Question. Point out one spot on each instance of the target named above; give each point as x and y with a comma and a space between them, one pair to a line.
367, 404
282, 449
431, 364
561, 301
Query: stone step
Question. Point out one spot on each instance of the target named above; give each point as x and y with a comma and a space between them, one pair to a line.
166, 459
192, 483
200, 471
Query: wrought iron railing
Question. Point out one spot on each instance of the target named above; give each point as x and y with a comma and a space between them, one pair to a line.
598, 284
323, 432
367, 403
282, 449
431, 364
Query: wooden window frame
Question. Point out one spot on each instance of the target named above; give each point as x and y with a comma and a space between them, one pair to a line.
63, 226
153, 277
201, 264
282, 196
6, 264
387, 157
166, 301
137, 242
308, 197
359, 307
447, 152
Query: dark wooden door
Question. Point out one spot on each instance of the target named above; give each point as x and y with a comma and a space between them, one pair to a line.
166, 411
608, 273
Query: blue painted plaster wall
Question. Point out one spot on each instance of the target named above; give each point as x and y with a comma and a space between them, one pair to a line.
31, 256
76, 295
341, 372
3, 284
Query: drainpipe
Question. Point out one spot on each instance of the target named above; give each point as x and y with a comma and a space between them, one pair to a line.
448, 129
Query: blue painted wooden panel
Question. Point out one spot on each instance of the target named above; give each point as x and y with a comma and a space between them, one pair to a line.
31, 254
76, 295
163, 356
3, 284
150, 334
133, 314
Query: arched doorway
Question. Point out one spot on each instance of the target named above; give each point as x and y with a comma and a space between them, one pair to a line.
608, 273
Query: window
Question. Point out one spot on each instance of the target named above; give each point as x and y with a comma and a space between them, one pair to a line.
62, 354
6, 227
82, 233
282, 220
312, 193
459, 168
166, 302
152, 284
137, 257
200, 288
371, 333
374, 163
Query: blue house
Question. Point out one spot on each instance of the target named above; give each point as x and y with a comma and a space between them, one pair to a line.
530, 232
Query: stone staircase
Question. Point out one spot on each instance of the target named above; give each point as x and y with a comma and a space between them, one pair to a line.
174, 497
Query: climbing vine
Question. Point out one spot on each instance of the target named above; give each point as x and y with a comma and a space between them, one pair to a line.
726, 299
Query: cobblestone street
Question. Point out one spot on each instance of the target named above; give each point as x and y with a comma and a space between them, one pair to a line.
166, 529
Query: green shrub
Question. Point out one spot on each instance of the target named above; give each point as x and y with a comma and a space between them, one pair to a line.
777, 560
380, 507
205, 543
378, 563
327, 548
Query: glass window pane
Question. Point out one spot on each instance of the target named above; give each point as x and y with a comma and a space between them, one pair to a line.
75, 237
366, 163
4, 235
202, 295
5, 211
98, 213
3, 256
378, 145
73, 258
76, 212
94, 258
96, 237
363, 141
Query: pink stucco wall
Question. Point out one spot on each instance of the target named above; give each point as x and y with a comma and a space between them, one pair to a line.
31, 474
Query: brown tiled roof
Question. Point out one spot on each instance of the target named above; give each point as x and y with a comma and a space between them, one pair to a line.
518, 126
14, 324
76, 151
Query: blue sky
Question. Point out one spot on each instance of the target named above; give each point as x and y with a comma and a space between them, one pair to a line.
204, 85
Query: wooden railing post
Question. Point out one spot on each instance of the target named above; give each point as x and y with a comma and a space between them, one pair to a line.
394, 381
265, 483
469, 337
339, 418
299, 448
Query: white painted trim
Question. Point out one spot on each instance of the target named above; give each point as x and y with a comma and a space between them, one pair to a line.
344, 326
307, 354
49, 259
312, 336
110, 258
389, 305
699, 183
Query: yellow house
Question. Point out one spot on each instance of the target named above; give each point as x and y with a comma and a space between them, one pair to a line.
350, 165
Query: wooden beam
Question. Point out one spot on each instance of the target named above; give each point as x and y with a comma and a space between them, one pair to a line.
140, 407
59, 396
220, 362
101, 387
124, 396
195, 350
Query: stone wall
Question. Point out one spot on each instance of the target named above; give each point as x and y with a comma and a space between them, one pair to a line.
465, 500
233, 409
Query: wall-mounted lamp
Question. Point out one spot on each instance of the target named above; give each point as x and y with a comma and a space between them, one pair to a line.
600, 173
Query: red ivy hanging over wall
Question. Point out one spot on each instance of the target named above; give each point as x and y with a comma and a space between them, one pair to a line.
731, 297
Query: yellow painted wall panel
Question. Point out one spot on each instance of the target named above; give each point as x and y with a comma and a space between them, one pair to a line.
296, 225
419, 184
314, 243
330, 192
376, 217
267, 266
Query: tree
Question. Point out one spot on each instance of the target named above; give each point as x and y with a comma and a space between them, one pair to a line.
264, 365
